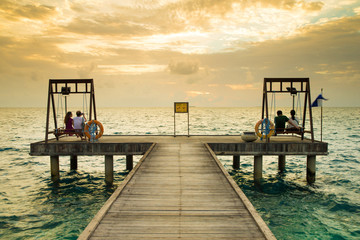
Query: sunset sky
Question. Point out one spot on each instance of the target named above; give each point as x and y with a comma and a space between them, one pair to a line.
154, 52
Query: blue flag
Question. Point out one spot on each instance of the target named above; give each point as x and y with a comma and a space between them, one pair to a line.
318, 101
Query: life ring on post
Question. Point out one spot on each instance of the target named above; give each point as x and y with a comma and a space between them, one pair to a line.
265, 131
91, 129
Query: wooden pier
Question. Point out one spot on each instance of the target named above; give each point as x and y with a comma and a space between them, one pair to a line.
109, 146
179, 189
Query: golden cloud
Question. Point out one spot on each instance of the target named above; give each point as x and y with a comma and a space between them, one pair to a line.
183, 67
291, 4
132, 69
108, 25
241, 86
13, 10
196, 93
132, 46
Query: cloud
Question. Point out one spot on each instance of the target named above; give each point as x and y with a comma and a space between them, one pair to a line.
292, 4
205, 9
131, 69
128, 48
196, 93
108, 25
159, 17
357, 10
327, 53
6, 41
183, 67
196, 26
85, 71
241, 86
312, 6
13, 10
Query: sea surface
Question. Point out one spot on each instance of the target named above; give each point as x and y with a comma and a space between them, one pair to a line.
32, 207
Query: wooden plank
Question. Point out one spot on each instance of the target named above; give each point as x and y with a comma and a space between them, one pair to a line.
91, 227
260, 222
188, 197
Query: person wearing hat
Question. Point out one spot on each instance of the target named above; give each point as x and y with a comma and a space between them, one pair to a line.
79, 123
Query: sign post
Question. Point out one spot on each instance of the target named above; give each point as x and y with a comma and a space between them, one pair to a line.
181, 107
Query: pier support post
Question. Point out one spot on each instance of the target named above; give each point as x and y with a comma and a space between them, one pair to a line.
109, 169
129, 162
281, 162
73, 162
311, 168
258, 162
54, 168
236, 161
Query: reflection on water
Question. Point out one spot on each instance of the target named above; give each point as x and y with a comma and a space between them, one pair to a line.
34, 208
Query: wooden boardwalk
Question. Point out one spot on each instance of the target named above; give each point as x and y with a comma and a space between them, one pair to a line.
179, 189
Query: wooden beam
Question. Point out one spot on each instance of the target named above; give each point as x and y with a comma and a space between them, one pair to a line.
281, 163
54, 168
109, 169
236, 161
129, 162
258, 167
73, 162
47, 115
310, 168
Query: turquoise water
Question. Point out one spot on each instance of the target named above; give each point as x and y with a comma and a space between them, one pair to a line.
33, 208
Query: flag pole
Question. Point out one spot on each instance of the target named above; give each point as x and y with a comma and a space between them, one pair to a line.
321, 123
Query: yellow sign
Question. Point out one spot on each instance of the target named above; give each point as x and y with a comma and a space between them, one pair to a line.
181, 107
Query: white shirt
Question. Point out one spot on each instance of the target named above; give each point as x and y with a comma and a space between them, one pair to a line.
296, 121
78, 122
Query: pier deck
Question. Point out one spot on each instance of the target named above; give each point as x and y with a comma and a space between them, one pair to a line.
138, 144
180, 190
109, 146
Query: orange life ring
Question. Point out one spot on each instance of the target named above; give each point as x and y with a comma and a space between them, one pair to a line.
271, 132
88, 124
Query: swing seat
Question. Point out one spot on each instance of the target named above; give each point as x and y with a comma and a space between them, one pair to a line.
62, 131
300, 131
288, 130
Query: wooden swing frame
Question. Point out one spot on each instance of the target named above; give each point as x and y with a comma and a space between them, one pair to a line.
282, 85
67, 87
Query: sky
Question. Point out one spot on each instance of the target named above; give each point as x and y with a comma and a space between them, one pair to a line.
151, 53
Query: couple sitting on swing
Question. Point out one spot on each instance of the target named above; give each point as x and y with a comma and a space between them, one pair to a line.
292, 126
75, 125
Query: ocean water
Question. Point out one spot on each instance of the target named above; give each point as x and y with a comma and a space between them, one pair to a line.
32, 207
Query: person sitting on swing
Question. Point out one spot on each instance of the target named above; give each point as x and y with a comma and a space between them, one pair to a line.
79, 124
280, 122
69, 123
289, 127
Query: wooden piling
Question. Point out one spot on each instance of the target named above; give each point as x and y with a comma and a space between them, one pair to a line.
73, 162
236, 161
109, 169
311, 168
129, 162
258, 164
55, 168
281, 163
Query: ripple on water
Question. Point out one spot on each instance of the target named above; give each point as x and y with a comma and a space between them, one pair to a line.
4, 149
